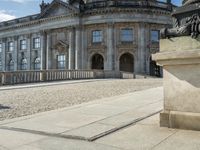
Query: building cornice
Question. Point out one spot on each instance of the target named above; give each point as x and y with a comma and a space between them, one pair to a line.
86, 14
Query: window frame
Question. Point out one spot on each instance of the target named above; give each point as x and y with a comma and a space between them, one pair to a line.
152, 38
97, 38
36, 43
1, 65
123, 36
61, 63
1, 47
23, 44
11, 46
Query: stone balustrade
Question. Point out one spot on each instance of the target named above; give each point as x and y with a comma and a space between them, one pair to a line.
19, 77
128, 3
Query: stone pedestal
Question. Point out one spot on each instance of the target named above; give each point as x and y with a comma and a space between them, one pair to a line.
180, 58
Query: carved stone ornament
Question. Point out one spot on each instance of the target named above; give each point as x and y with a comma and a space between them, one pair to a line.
187, 21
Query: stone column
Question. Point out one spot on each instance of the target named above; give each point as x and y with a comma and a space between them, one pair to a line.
15, 53
110, 47
29, 52
43, 50
140, 63
78, 48
71, 64
4, 55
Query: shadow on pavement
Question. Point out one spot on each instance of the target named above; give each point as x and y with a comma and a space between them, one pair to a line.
4, 107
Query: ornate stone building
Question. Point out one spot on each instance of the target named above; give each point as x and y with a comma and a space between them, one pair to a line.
91, 34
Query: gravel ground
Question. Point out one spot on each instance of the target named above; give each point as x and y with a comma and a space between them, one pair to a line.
20, 102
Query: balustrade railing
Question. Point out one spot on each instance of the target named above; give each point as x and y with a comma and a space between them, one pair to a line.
19, 77
128, 3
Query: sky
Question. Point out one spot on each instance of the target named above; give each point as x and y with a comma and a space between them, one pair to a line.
11, 9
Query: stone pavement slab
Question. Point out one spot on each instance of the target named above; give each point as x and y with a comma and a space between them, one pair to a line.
14, 139
94, 119
137, 137
183, 140
65, 144
148, 135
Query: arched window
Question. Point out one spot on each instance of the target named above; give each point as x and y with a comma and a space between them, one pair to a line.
24, 64
37, 64
11, 65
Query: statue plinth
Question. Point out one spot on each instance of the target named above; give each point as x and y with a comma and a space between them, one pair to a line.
180, 58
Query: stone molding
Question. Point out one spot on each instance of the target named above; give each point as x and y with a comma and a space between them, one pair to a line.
75, 15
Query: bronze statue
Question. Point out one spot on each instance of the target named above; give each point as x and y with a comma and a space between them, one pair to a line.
187, 20
187, 2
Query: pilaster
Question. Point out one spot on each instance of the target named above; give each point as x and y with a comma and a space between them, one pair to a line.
48, 50
43, 50
15, 53
109, 63
29, 52
78, 48
71, 64
140, 63
3, 59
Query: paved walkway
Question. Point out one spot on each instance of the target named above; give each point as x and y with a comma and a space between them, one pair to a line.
127, 122
52, 83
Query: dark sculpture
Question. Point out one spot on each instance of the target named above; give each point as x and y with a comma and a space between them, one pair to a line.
186, 21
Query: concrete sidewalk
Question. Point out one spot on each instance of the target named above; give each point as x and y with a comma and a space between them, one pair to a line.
127, 122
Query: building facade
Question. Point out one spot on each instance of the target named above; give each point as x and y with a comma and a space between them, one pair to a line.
91, 34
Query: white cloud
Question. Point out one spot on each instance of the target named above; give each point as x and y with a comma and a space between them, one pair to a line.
4, 16
19, 1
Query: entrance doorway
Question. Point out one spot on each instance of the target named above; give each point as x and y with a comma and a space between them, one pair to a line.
127, 62
97, 62
154, 69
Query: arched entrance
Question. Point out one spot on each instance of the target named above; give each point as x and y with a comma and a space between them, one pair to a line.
154, 69
127, 62
97, 62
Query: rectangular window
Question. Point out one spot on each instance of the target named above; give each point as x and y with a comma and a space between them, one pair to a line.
36, 43
10, 46
1, 47
97, 36
127, 35
61, 61
22, 44
155, 36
